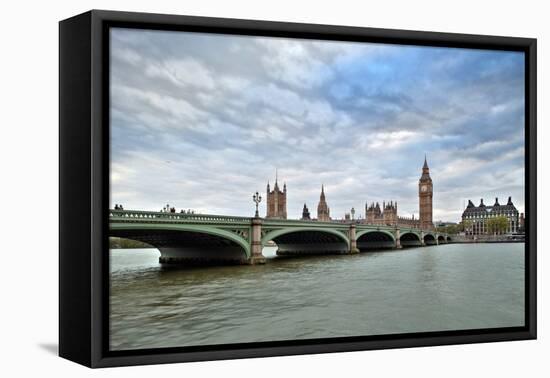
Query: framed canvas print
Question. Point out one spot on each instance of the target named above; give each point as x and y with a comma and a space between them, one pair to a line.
234, 188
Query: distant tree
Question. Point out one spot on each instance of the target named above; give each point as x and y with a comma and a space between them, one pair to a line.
452, 229
449, 229
497, 225
503, 224
465, 225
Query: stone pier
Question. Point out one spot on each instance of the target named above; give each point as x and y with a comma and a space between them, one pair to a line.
398, 239
256, 256
353, 239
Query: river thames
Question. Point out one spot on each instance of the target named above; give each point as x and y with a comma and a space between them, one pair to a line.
435, 288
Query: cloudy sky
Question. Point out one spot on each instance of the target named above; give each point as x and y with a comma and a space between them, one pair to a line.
202, 121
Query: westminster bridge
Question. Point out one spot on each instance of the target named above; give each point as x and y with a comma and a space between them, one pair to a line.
213, 239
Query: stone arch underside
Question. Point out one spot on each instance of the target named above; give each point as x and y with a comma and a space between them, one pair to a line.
191, 247
441, 239
372, 240
308, 242
429, 239
410, 239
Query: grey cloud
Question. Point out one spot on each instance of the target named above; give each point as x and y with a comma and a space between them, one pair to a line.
202, 121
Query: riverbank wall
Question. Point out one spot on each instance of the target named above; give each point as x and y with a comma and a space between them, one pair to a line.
487, 239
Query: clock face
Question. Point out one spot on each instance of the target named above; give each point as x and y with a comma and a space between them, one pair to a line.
424, 188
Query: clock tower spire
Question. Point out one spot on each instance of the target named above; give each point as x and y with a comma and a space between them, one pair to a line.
425, 197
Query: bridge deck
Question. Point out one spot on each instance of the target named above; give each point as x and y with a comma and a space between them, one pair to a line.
218, 237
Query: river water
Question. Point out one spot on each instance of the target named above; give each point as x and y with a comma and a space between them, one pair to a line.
436, 288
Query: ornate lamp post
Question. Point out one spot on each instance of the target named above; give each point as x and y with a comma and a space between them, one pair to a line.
352, 213
257, 199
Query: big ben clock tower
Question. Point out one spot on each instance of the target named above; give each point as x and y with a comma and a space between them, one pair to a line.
425, 196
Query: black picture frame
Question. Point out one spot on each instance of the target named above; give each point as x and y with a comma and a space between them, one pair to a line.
84, 187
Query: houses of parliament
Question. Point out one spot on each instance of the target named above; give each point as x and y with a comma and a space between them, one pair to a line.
385, 214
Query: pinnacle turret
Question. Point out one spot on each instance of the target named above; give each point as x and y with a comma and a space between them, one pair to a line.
323, 211
276, 200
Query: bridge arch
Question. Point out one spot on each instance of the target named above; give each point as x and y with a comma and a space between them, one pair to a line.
307, 240
386, 232
176, 241
374, 239
441, 239
410, 239
429, 239
449, 239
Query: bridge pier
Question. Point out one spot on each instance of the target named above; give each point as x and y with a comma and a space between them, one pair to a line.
422, 243
353, 239
397, 239
256, 256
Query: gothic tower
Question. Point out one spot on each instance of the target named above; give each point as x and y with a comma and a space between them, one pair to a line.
323, 211
276, 201
390, 213
425, 197
305, 213
373, 213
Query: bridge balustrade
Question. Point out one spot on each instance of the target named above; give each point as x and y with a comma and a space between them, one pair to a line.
144, 215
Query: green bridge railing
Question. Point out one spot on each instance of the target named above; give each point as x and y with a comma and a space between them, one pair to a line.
155, 216
138, 215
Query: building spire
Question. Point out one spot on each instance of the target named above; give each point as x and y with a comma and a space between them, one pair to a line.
323, 211
276, 186
425, 170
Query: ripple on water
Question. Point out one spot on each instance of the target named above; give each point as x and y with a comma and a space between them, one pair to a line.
453, 286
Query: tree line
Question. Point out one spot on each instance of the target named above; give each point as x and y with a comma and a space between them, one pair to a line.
496, 225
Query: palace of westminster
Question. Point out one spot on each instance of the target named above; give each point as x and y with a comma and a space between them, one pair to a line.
374, 213
386, 214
